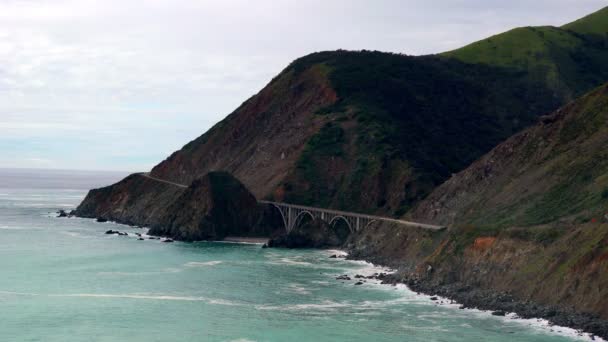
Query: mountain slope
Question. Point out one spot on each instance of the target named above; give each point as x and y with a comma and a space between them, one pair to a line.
391, 122
528, 224
593, 24
568, 60
556, 170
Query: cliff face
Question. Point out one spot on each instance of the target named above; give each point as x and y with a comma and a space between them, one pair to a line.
134, 200
259, 142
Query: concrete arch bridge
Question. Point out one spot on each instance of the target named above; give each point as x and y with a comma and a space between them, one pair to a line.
293, 214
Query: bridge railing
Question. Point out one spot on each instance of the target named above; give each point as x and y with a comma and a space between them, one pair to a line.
364, 216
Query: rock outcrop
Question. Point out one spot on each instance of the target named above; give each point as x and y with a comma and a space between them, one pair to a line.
211, 208
313, 234
134, 200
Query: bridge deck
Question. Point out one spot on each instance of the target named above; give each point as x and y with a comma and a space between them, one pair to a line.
364, 216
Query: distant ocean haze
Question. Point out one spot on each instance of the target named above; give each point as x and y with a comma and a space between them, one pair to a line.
57, 179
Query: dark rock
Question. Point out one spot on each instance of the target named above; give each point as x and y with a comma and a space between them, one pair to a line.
359, 276
62, 213
434, 298
211, 208
265, 246
111, 231
314, 233
501, 303
167, 240
122, 234
101, 219
333, 256
359, 283
141, 239
343, 277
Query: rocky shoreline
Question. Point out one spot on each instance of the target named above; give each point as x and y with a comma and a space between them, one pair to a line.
500, 304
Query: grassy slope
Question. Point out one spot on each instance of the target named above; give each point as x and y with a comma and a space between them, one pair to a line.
593, 24
553, 175
562, 58
528, 217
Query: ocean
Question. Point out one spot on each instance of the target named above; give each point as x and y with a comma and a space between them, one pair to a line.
63, 279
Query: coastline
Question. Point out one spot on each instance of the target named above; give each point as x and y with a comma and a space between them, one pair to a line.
466, 297
562, 323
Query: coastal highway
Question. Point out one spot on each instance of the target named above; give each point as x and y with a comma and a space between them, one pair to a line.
147, 175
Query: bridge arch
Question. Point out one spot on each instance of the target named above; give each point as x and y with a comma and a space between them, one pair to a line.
298, 217
342, 227
335, 219
369, 223
283, 216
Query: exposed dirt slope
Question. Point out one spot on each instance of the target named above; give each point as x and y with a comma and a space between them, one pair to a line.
260, 142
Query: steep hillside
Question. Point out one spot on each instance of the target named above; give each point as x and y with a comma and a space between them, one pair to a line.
554, 171
338, 129
569, 60
528, 224
593, 24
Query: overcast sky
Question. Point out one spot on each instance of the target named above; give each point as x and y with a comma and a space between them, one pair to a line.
119, 84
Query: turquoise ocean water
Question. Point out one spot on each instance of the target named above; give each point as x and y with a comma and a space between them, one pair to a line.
65, 280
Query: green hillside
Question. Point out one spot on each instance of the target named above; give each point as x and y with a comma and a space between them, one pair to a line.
593, 24
531, 216
569, 60
554, 171
402, 125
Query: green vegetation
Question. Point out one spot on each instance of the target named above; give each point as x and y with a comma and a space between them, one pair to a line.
326, 143
436, 114
568, 60
593, 24
553, 177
